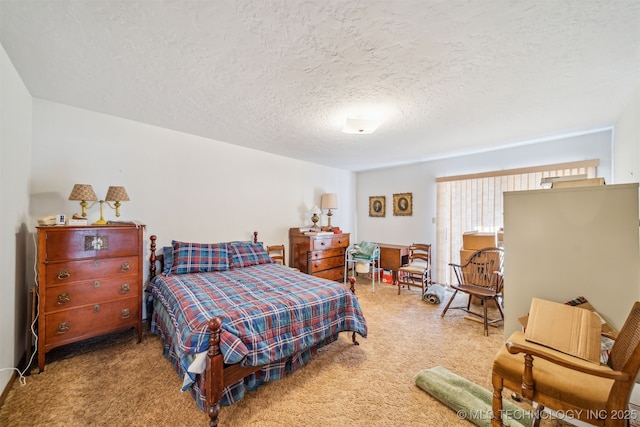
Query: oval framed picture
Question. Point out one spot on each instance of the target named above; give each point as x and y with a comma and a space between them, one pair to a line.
377, 206
403, 204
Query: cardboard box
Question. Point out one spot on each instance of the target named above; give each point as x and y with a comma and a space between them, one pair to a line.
465, 254
605, 328
569, 329
385, 277
475, 240
578, 182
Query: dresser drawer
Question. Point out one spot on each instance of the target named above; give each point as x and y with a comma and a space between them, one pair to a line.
317, 255
337, 241
92, 291
91, 320
90, 242
326, 263
72, 271
332, 274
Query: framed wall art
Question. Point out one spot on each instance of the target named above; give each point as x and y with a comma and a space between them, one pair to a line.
403, 204
377, 206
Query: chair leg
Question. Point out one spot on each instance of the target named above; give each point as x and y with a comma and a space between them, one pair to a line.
496, 403
449, 303
486, 318
425, 284
499, 307
536, 415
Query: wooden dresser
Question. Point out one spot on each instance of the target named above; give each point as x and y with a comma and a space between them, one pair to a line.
321, 255
89, 283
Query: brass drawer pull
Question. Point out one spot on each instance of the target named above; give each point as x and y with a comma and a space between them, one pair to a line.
63, 274
96, 284
63, 298
96, 308
63, 328
125, 313
125, 288
125, 266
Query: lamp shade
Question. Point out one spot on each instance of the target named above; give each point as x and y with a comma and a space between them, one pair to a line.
329, 201
316, 210
83, 192
116, 194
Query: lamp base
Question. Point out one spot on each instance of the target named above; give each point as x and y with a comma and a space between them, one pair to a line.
101, 221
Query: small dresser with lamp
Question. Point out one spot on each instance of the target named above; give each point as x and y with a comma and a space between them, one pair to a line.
320, 255
89, 283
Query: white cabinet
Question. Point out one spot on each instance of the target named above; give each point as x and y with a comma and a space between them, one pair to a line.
568, 242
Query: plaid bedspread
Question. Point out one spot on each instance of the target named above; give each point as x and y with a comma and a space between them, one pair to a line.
268, 312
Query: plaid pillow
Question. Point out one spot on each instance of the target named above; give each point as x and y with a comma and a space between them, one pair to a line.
167, 251
245, 254
199, 257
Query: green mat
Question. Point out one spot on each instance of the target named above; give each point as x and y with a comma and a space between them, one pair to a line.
470, 401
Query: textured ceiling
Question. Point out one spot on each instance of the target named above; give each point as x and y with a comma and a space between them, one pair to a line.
450, 76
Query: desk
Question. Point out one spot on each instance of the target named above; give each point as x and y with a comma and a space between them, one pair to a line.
392, 257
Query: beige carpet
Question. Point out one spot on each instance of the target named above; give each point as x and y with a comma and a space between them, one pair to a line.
117, 382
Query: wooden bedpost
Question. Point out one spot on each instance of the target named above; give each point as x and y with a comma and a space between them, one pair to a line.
152, 258
214, 372
255, 237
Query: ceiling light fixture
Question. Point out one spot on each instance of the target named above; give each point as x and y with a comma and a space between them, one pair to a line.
360, 125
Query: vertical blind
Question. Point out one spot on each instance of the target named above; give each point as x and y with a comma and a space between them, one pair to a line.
474, 203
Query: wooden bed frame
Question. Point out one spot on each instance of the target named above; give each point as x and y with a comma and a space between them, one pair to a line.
217, 375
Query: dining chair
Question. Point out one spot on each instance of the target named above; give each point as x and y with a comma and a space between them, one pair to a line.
417, 271
276, 252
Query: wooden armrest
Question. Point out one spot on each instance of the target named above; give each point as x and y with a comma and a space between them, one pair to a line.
515, 348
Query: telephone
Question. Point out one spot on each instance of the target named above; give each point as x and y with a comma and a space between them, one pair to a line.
58, 219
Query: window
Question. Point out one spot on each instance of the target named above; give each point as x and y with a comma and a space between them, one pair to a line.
474, 202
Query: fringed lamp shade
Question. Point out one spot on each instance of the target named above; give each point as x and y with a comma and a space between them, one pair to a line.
117, 194
83, 192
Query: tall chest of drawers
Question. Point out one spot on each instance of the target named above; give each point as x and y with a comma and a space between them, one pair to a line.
321, 255
89, 283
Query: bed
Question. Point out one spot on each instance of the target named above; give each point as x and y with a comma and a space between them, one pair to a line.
231, 319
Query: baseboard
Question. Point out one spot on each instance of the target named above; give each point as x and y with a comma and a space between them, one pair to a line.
8, 387
14, 375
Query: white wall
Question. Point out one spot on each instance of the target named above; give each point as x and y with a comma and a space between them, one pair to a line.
15, 151
583, 241
419, 179
181, 186
626, 159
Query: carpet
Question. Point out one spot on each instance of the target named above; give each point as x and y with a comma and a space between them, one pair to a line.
469, 400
